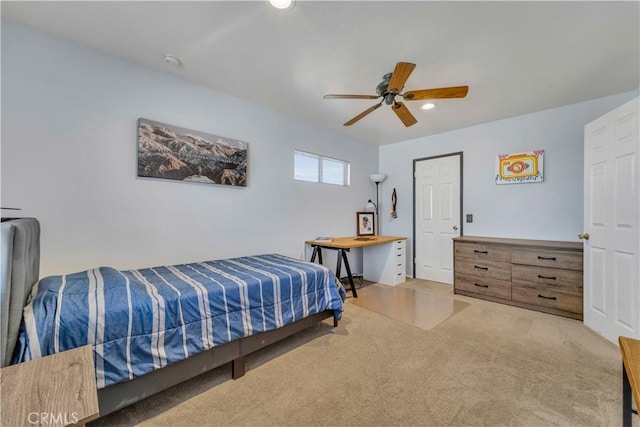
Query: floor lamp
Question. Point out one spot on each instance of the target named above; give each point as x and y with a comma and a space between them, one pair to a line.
377, 178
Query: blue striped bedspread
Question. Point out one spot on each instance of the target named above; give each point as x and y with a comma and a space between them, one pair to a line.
142, 320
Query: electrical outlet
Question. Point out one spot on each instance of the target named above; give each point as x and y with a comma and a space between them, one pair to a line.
469, 217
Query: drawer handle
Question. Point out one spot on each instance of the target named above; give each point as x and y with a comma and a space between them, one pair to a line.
399, 265
542, 296
481, 286
480, 252
480, 268
399, 274
546, 277
547, 258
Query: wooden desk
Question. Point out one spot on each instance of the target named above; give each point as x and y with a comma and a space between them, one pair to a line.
630, 349
345, 244
56, 390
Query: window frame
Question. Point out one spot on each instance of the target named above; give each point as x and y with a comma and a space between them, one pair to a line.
346, 168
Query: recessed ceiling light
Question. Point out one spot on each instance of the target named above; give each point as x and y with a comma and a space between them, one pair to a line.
172, 60
282, 4
428, 106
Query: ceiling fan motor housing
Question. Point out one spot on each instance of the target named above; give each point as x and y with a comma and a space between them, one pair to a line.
381, 89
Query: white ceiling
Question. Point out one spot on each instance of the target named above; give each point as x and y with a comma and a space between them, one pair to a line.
516, 57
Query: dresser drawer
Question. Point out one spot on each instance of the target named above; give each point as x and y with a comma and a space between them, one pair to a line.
400, 278
483, 268
554, 298
484, 286
478, 251
548, 258
547, 276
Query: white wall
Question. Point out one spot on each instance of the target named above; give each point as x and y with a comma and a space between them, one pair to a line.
551, 210
69, 158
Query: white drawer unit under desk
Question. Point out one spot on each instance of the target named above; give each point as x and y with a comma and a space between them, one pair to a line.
385, 263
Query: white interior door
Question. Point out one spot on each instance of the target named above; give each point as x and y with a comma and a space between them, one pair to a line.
437, 216
611, 205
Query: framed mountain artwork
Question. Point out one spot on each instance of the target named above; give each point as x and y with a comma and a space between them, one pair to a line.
172, 152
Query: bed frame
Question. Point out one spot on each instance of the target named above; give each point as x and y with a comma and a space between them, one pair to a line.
20, 269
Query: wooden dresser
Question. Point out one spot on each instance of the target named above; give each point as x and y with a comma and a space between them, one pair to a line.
535, 274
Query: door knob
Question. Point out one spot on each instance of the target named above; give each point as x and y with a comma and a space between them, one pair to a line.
455, 227
584, 236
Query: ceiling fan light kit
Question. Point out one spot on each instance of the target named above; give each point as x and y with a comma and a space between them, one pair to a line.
392, 85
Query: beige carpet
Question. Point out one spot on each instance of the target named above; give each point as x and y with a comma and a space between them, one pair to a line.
424, 310
489, 365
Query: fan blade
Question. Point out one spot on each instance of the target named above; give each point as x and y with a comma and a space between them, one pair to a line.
443, 92
364, 113
400, 76
404, 114
332, 96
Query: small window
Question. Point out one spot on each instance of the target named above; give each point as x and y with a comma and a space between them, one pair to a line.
306, 167
315, 168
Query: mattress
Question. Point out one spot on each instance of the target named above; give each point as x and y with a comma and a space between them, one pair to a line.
142, 320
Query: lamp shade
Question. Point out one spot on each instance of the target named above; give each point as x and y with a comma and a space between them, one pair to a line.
378, 177
370, 206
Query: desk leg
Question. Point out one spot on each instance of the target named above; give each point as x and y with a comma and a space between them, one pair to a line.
317, 251
349, 275
626, 399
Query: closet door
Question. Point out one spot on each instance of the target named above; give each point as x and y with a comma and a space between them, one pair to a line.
437, 216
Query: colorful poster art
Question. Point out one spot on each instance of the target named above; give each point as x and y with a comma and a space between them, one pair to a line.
520, 168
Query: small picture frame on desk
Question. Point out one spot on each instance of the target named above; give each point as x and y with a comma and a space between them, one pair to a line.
365, 223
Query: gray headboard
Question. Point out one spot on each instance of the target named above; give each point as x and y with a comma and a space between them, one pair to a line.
20, 268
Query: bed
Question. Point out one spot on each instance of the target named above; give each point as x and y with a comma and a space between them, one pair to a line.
155, 327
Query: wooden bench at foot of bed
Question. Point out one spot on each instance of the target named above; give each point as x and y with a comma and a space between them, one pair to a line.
124, 394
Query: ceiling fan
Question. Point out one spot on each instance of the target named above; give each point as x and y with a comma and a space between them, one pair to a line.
391, 86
